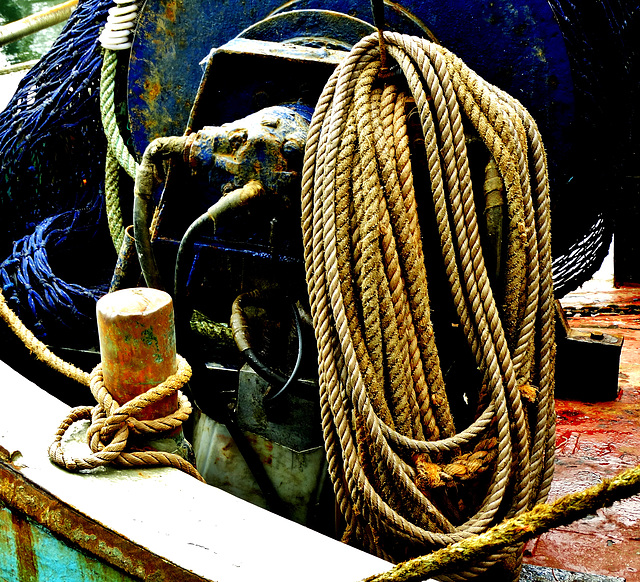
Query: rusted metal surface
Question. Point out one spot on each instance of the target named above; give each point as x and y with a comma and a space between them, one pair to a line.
267, 146
596, 440
31, 553
26, 500
138, 345
526, 55
24, 551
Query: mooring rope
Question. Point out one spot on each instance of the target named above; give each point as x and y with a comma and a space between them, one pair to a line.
111, 424
389, 435
37, 348
522, 528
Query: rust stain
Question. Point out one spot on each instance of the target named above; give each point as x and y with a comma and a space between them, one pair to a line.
153, 89
594, 441
170, 12
23, 496
27, 569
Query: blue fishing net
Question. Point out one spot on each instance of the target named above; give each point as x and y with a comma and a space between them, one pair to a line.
32, 279
52, 151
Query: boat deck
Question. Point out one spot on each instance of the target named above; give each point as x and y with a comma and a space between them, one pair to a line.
596, 440
203, 540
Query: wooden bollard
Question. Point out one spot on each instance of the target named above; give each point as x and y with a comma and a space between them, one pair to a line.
137, 346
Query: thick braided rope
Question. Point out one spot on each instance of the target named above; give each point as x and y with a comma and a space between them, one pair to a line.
327, 369
360, 491
108, 112
112, 200
37, 348
343, 164
469, 219
111, 424
118, 154
522, 528
474, 276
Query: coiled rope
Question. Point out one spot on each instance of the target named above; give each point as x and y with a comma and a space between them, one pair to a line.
389, 435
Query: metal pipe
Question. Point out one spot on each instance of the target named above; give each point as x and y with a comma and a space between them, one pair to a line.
125, 273
159, 149
39, 21
18, 67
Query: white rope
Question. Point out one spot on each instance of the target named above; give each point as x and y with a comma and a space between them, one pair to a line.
121, 21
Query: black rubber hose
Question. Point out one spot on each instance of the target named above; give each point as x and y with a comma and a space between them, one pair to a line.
240, 330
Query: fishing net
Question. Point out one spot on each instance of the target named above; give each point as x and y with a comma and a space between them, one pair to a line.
32, 278
52, 151
600, 42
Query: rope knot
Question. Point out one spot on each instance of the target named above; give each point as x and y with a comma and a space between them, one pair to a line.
429, 475
111, 424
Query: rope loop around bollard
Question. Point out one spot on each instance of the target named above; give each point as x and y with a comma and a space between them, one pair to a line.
111, 423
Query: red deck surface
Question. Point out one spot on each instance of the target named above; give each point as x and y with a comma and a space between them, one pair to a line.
594, 441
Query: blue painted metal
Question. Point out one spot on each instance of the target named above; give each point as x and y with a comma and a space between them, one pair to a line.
515, 45
273, 74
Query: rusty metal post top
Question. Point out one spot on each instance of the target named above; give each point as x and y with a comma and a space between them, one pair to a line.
130, 302
137, 345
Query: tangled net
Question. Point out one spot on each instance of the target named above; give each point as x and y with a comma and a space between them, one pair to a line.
52, 151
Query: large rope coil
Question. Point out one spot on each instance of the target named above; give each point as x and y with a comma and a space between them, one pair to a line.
391, 442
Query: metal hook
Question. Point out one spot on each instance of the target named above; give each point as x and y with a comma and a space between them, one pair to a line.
377, 8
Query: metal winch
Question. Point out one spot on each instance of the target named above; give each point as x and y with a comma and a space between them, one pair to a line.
228, 241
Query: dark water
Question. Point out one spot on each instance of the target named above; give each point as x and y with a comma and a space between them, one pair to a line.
31, 47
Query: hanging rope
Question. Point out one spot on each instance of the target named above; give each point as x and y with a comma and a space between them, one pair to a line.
118, 154
115, 37
115, 140
389, 434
